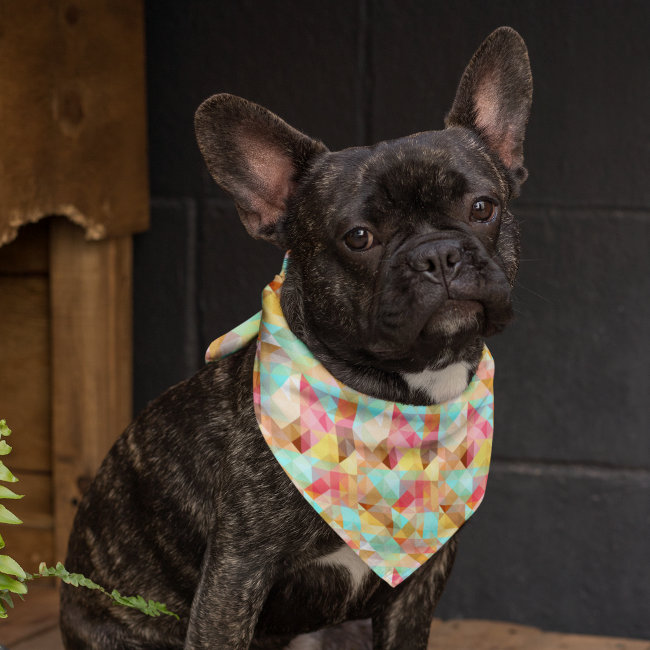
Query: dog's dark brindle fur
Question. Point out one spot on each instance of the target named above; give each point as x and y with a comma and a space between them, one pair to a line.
403, 256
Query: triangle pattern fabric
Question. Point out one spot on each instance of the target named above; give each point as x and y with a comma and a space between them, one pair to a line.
394, 481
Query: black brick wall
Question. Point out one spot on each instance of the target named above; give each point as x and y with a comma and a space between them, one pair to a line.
562, 538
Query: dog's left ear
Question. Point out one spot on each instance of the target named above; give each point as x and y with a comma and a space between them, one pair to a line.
494, 98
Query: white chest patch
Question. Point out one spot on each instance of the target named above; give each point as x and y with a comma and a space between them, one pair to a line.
346, 558
440, 385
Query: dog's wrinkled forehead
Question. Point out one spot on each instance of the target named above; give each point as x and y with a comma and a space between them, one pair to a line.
422, 174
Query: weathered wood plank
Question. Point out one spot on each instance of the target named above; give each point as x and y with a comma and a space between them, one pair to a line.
32, 542
73, 90
47, 641
30, 546
29, 253
492, 635
35, 508
25, 369
31, 618
91, 289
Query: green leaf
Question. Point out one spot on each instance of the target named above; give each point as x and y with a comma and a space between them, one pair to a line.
150, 608
10, 566
4, 448
74, 579
44, 570
6, 597
8, 517
162, 608
122, 600
6, 475
12, 585
4, 429
6, 493
2, 542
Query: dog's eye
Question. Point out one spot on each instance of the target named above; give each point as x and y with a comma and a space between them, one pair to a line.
358, 239
483, 210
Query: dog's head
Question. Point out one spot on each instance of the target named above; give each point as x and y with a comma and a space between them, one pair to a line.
403, 254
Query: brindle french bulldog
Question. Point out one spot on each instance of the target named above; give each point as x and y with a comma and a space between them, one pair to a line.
403, 256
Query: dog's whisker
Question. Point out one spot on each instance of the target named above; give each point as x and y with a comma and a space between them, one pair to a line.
534, 293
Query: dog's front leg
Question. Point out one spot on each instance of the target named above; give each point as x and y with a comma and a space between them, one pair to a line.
404, 621
230, 596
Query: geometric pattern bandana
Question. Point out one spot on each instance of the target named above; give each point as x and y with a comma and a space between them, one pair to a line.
394, 481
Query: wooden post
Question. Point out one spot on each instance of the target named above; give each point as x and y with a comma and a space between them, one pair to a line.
91, 310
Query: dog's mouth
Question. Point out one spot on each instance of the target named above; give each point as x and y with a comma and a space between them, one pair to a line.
461, 318
451, 326
454, 317
423, 337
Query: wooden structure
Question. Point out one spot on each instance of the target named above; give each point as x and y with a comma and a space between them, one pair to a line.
73, 166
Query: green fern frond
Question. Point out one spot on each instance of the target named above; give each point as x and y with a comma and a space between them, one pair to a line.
13, 577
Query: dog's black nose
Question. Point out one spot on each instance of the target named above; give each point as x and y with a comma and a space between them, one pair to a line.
439, 260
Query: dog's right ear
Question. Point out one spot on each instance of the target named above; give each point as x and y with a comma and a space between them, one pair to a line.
256, 157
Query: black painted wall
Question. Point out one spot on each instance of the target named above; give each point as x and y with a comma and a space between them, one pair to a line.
562, 538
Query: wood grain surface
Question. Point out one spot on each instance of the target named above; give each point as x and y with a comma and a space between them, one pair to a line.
73, 140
